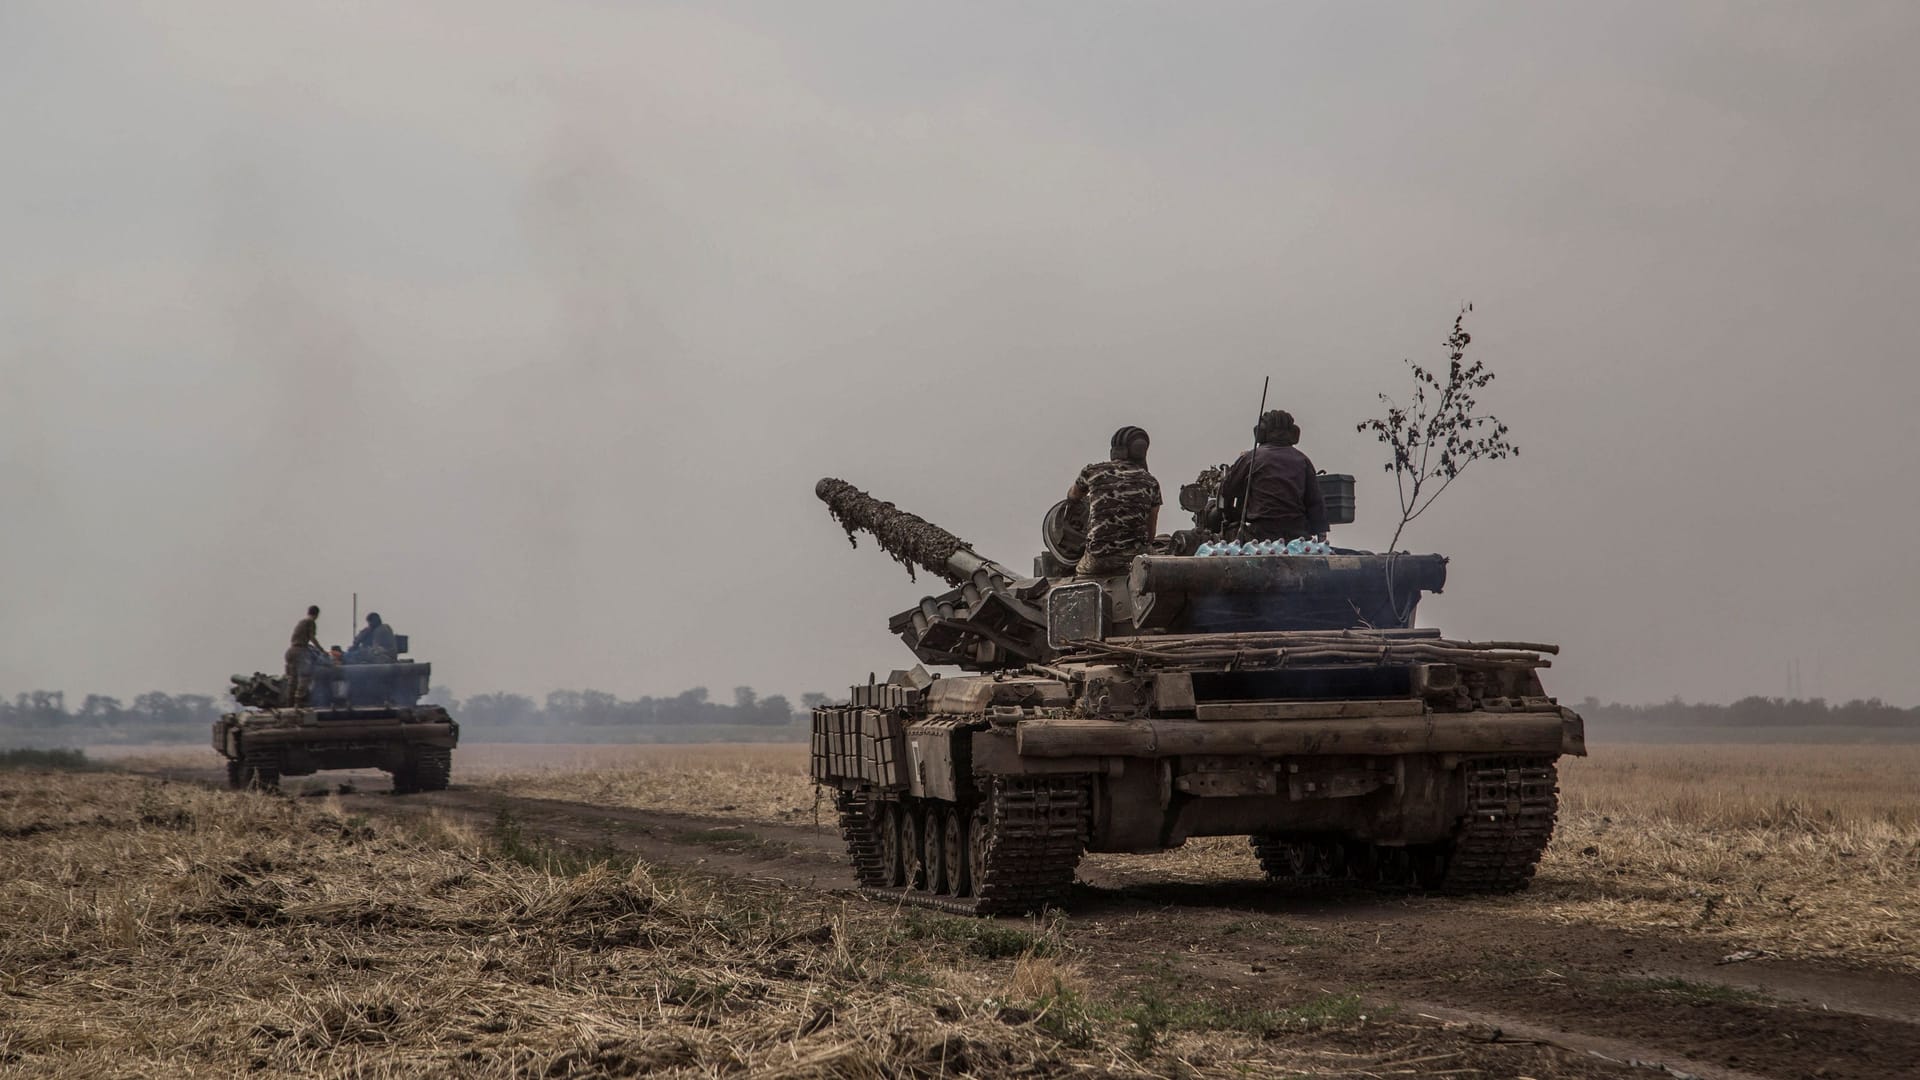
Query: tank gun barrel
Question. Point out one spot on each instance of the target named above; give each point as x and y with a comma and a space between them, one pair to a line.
911, 539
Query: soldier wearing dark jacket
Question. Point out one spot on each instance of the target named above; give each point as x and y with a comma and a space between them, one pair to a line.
301, 656
1123, 505
375, 643
1284, 501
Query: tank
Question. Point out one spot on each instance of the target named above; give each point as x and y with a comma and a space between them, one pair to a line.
361, 714
1290, 699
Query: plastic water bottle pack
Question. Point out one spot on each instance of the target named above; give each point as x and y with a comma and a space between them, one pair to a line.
1295, 546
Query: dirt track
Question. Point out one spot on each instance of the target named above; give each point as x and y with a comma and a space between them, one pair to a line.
1491, 974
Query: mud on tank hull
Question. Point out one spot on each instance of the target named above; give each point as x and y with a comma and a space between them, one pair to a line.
979, 794
414, 743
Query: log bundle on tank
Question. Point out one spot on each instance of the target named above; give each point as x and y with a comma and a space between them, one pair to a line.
1305, 647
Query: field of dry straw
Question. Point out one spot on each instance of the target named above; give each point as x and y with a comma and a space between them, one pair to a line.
162, 929
1799, 850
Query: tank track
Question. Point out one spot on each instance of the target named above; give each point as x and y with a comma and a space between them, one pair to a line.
424, 770
860, 827
1511, 804
1038, 830
431, 769
260, 769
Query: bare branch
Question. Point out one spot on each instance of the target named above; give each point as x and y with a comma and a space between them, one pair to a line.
1437, 438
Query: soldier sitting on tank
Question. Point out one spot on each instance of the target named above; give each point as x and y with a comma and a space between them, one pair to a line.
374, 644
1283, 502
302, 655
1123, 505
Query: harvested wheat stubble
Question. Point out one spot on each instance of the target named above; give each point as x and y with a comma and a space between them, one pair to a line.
745, 782
1798, 850
158, 929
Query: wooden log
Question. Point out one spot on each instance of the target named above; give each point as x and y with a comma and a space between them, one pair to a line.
1284, 638
1473, 733
1308, 710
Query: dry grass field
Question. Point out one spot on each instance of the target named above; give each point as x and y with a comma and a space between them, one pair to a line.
165, 929
1797, 850
1803, 850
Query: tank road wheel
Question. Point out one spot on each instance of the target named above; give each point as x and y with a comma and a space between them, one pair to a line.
860, 827
890, 817
912, 863
1392, 868
957, 853
933, 849
1290, 861
236, 774
979, 835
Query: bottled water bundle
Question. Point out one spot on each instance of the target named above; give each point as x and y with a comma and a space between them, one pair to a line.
1263, 547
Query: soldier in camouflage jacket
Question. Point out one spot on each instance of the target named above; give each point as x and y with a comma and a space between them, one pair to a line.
1123, 505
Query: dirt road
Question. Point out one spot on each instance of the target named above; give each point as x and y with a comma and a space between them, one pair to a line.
1487, 973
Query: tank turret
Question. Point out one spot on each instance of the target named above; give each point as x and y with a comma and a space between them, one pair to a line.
995, 618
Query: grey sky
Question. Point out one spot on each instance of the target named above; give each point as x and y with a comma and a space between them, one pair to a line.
535, 323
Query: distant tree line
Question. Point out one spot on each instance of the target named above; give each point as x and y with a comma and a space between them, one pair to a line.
598, 709
45, 718
1753, 712
98, 714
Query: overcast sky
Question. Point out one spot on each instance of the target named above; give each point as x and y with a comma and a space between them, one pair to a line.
535, 323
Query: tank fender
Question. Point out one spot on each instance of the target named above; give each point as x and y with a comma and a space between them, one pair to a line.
977, 695
995, 753
1573, 733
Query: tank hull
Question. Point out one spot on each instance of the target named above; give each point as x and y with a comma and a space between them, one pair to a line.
414, 743
1437, 788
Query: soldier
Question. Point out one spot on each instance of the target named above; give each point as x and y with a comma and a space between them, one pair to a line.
300, 657
1284, 500
1123, 505
375, 643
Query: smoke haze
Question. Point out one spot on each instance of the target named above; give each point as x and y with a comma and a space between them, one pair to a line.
535, 324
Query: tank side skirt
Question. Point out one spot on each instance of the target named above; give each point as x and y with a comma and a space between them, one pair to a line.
432, 732
1476, 732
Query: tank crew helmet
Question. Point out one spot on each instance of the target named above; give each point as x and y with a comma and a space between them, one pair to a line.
373, 618
1276, 428
1130, 444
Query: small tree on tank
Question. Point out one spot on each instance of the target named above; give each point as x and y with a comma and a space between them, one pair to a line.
1439, 432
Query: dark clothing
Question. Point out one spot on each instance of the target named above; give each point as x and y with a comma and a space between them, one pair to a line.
1285, 500
307, 632
376, 642
1121, 498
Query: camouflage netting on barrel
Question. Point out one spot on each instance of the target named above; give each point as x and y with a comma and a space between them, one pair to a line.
911, 540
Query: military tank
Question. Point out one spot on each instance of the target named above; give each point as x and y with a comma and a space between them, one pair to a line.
1286, 698
362, 713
